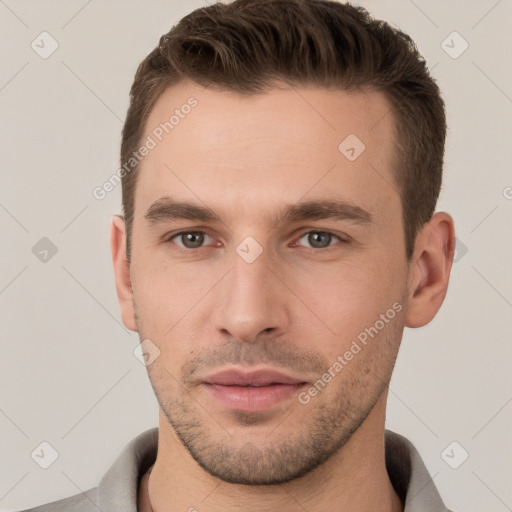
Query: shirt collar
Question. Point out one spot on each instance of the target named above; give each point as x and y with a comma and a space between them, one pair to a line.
410, 477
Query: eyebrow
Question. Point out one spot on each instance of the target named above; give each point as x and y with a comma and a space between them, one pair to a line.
166, 209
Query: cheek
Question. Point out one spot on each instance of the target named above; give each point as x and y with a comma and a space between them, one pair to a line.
165, 292
171, 312
340, 293
348, 300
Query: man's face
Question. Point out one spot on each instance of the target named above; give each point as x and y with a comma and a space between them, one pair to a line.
253, 288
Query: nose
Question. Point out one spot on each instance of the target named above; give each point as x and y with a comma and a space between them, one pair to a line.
252, 301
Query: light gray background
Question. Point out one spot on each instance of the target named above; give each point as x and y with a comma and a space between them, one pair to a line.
68, 375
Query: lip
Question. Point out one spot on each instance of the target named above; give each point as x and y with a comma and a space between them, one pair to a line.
252, 391
262, 377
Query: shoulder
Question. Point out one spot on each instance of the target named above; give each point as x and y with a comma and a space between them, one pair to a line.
82, 502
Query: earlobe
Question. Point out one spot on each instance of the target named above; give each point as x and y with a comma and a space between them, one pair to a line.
430, 269
122, 272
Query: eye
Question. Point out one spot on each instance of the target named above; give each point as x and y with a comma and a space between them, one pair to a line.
319, 239
190, 239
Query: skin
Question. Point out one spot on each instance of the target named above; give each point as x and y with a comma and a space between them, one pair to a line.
295, 308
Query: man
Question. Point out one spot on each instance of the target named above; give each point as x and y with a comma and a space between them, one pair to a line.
281, 163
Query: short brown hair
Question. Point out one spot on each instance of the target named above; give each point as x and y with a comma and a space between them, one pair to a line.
248, 46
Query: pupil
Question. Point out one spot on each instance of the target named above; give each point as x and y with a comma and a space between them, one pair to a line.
193, 240
315, 239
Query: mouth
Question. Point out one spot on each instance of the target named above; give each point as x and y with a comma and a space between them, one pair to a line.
252, 391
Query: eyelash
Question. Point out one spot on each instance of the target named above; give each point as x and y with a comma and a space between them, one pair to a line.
194, 250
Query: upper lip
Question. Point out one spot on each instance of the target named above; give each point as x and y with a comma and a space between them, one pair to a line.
261, 377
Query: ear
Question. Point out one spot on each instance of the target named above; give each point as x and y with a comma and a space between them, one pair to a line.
430, 269
122, 272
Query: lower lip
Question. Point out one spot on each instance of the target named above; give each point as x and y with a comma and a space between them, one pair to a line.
253, 399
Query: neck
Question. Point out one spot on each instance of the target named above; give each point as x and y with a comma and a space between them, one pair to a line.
355, 478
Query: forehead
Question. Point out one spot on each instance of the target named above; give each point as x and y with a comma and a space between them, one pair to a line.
304, 114
283, 144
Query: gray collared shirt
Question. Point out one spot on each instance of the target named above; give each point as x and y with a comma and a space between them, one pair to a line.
117, 490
